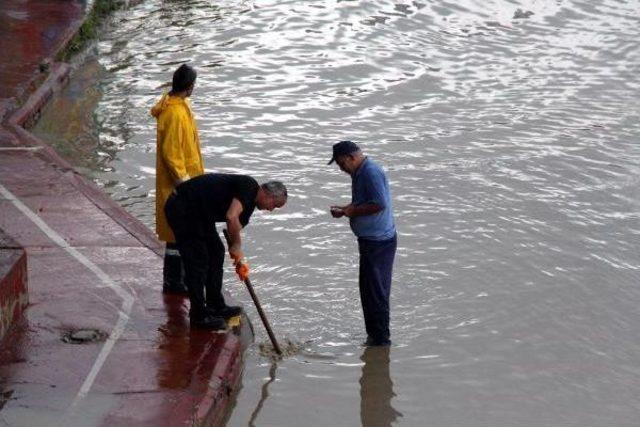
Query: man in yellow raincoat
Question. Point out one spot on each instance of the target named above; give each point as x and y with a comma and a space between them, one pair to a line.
178, 159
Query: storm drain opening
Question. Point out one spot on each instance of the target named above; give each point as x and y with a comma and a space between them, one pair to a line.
84, 336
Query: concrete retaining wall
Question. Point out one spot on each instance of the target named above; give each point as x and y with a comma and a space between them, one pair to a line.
14, 296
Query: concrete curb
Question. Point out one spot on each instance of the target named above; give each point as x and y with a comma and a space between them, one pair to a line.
29, 113
225, 379
34, 80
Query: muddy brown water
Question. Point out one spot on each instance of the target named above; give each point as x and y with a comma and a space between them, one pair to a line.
511, 136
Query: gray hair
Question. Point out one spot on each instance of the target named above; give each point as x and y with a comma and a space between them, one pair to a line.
275, 189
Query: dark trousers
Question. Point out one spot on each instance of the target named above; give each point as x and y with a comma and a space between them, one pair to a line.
376, 268
202, 256
203, 259
173, 270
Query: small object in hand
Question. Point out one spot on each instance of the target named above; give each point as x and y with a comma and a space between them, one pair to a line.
242, 270
336, 212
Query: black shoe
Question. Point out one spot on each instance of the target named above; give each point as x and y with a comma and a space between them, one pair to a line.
208, 322
227, 312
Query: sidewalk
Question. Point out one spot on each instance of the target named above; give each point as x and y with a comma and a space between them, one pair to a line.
99, 344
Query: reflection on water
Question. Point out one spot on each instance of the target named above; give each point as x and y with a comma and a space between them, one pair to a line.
376, 389
264, 395
510, 133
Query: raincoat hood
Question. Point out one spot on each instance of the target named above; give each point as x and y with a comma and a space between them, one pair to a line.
165, 102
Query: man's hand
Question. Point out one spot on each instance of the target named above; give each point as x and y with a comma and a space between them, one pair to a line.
351, 211
236, 254
242, 270
337, 212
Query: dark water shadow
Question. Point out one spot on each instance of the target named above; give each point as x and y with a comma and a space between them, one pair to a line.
264, 395
376, 389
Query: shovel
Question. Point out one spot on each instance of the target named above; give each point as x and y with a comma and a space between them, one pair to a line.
254, 297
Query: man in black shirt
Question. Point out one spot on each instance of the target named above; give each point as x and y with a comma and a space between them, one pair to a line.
192, 212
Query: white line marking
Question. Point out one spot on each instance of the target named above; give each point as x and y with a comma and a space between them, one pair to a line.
20, 148
127, 298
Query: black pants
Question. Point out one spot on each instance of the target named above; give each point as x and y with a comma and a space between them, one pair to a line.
172, 270
376, 269
202, 255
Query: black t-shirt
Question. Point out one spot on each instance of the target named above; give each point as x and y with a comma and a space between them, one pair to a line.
209, 196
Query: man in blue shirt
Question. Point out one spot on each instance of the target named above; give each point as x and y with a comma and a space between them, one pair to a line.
371, 218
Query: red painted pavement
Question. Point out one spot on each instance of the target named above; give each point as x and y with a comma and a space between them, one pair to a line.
90, 266
32, 32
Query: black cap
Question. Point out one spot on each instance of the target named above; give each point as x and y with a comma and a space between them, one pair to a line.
343, 148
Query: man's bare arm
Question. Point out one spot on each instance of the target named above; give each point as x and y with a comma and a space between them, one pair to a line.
361, 210
233, 228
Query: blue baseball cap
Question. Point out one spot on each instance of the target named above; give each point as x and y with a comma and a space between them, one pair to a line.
343, 148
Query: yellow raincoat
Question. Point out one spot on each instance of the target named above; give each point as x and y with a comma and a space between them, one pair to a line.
178, 153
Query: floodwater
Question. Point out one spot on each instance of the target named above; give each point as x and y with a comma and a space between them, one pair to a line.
511, 135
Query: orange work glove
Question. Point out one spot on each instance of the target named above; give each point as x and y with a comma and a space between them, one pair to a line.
242, 270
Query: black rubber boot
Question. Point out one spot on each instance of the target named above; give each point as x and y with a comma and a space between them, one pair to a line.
213, 323
226, 312
173, 272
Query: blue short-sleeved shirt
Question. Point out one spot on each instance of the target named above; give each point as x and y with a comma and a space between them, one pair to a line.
370, 185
